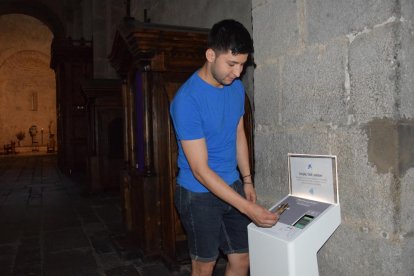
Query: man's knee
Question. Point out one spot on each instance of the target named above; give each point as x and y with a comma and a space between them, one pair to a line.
202, 268
238, 264
241, 258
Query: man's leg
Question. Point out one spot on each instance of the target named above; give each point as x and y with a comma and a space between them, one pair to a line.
235, 243
202, 268
238, 264
201, 215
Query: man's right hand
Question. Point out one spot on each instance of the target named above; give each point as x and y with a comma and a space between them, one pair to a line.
261, 216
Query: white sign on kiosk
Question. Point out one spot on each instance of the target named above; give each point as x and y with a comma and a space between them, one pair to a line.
290, 247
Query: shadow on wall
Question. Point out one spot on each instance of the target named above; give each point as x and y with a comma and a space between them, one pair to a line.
390, 145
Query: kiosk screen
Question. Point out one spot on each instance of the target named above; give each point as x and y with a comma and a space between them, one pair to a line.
303, 221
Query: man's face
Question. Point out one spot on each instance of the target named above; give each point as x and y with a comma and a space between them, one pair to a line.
226, 67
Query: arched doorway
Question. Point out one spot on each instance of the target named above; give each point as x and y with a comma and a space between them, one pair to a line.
71, 61
27, 83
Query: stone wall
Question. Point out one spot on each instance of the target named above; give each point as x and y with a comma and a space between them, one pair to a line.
336, 77
27, 84
104, 17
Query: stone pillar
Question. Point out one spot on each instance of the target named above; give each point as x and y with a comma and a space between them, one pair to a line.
106, 14
335, 77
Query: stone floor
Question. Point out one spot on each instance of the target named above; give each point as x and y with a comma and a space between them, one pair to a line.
50, 227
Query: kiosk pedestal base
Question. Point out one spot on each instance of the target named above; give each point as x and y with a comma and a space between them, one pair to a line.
312, 215
288, 250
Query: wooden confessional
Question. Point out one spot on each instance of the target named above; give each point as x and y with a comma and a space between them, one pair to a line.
154, 60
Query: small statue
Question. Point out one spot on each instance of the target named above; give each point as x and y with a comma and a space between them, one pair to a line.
33, 131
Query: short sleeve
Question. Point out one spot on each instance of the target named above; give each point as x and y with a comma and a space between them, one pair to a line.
186, 117
243, 95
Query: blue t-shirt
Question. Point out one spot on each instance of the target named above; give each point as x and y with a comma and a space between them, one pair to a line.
200, 110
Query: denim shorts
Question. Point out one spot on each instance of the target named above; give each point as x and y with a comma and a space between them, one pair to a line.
211, 224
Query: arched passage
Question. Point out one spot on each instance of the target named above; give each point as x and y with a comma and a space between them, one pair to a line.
27, 83
36, 10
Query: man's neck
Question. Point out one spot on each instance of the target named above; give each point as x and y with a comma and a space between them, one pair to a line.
205, 74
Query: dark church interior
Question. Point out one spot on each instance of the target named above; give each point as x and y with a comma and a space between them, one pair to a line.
88, 151
93, 194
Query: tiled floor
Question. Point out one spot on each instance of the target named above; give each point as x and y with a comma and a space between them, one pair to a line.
49, 227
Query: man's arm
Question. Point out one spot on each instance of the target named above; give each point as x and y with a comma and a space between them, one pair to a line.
243, 162
197, 156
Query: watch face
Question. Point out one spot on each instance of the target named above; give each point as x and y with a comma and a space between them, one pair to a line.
303, 221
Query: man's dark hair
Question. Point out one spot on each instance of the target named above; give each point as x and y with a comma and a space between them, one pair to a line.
230, 35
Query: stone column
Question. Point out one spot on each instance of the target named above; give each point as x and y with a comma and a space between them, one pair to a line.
106, 14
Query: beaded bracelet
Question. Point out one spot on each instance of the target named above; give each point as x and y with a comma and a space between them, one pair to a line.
246, 176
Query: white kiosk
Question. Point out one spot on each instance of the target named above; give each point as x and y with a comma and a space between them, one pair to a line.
290, 247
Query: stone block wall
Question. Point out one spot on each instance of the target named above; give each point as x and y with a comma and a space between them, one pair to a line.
335, 77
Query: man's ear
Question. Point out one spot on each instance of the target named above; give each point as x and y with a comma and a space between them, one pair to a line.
210, 55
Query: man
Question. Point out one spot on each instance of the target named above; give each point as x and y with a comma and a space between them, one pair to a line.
207, 112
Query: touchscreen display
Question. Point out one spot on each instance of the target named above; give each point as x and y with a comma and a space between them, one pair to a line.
303, 221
